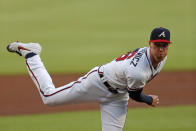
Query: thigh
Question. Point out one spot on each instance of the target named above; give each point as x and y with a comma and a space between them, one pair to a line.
82, 90
113, 115
85, 89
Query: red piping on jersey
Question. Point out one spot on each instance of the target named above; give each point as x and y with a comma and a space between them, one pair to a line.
132, 55
99, 71
150, 67
59, 90
148, 61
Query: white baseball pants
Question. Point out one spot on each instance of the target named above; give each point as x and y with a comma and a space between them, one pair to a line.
88, 88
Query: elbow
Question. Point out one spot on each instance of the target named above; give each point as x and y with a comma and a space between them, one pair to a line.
135, 95
136, 98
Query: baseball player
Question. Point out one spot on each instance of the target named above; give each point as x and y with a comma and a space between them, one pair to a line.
111, 84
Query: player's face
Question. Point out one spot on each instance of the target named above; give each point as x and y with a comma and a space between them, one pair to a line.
159, 50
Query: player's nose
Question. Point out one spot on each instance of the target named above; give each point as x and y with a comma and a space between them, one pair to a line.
161, 49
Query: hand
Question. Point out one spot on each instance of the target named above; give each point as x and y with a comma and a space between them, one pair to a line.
155, 101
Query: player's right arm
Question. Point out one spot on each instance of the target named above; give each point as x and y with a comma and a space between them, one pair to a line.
138, 96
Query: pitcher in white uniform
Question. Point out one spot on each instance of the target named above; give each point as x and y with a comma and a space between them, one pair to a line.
111, 84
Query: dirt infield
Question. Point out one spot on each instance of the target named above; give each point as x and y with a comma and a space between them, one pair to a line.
18, 94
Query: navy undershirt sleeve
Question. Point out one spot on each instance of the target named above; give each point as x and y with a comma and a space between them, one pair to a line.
140, 97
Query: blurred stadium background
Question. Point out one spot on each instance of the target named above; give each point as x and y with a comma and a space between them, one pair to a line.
77, 35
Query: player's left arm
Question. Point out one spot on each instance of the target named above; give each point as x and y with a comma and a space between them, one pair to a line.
138, 96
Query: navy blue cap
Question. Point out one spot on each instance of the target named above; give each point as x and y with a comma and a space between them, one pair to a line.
160, 35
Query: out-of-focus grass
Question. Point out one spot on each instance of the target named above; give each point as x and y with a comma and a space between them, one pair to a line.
179, 118
78, 35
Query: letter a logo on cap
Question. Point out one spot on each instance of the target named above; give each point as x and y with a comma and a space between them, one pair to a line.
162, 34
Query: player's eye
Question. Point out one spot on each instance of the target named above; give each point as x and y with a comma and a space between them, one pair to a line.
161, 44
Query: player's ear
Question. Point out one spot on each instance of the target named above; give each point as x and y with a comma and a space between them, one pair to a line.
150, 43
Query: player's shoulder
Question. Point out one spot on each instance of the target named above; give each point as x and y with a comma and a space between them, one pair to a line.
138, 57
140, 51
138, 66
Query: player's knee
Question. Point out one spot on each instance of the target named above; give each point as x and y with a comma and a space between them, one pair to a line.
49, 102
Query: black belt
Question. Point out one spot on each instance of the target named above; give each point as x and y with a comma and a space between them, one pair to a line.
110, 88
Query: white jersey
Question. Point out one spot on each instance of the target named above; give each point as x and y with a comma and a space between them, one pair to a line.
128, 72
131, 71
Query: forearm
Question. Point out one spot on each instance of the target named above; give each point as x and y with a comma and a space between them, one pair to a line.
140, 97
145, 98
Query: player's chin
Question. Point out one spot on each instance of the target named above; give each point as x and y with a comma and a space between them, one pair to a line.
160, 58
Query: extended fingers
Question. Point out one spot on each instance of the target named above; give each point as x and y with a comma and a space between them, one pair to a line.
157, 101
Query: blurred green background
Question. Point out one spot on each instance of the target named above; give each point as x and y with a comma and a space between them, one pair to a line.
77, 35
146, 119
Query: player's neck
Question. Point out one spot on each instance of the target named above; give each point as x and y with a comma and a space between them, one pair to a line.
155, 63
